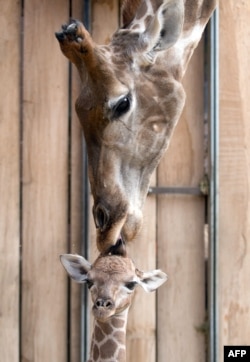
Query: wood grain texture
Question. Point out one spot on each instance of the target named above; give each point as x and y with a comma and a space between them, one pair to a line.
9, 181
105, 20
181, 304
45, 184
141, 329
234, 203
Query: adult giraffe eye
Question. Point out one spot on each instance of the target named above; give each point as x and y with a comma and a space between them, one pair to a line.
121, 107
130, 285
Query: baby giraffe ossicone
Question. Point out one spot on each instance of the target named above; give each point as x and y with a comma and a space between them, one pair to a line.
111, 280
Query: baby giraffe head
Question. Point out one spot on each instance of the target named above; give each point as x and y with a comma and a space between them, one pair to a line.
111, 280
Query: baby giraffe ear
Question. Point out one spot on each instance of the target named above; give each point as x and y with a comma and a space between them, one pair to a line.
151, 280
76, 266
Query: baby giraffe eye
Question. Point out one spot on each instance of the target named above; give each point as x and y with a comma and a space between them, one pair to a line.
131, 285
89, 283
121, 107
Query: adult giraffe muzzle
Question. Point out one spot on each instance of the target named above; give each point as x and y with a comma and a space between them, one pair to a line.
130, 102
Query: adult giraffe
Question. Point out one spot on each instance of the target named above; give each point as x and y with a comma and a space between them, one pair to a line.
131, 100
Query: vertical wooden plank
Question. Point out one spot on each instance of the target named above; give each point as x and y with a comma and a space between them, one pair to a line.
9, 180
181, 304
45, 184
234, 215
141, 330
76, 207
104, 9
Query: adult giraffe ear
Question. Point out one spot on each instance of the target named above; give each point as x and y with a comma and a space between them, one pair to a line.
76, 266
151, 280
170, 18
159, 33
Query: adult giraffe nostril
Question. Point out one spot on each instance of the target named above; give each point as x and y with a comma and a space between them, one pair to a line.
101, 216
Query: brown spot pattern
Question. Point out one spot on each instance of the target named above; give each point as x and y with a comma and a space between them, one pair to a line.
119, 336
142, 11
96, 352
118, 323
108, 348
148, 20
99, 336
106, 328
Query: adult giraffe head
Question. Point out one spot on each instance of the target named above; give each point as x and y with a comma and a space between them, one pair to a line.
130, 102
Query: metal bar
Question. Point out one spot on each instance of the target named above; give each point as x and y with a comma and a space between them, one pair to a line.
85, 252
201, 190
86, 18
176, 190
214, 190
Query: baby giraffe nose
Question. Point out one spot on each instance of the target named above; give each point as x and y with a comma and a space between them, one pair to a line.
101, 216
104, 303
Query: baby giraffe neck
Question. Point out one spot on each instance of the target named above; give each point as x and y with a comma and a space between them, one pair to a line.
109, 339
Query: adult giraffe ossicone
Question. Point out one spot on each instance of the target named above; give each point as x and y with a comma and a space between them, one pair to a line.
131, 100
111, 279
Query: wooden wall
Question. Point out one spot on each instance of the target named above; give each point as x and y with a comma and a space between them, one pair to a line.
41, 189
9, 181
234, 173
39, 182
180, 232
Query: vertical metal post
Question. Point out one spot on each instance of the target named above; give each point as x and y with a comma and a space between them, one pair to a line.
86, 18
84, 251
214, 190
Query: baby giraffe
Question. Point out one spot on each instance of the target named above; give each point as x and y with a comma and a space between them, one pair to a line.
111, 279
